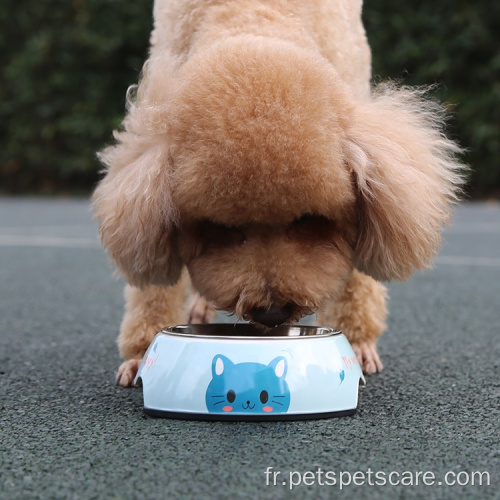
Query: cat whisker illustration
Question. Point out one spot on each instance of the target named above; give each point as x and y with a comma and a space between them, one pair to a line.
219, 396
276, 402
219, 402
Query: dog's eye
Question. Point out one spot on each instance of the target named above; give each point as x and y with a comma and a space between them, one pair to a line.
310, 227
305, 219
217, 235
310, 220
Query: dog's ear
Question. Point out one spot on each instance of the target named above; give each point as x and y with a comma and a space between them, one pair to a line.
407, 175
133, 203
135, 212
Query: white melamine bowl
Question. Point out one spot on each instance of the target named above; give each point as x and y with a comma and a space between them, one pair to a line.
235, 372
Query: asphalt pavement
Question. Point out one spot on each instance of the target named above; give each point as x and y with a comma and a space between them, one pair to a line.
427, 427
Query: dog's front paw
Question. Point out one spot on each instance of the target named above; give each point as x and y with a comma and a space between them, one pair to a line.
199, 310
127, 372
368, 357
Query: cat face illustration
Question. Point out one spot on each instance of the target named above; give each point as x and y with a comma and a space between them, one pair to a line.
248, 387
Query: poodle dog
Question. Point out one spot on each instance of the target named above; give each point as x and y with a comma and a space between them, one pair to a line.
258, 171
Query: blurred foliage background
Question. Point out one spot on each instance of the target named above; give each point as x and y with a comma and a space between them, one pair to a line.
66, 65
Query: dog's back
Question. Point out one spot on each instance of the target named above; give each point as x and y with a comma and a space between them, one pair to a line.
331, 27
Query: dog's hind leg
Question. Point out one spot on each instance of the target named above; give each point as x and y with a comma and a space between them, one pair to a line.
360, 313
148, 310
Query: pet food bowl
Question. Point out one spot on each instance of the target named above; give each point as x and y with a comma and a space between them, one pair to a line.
235, 372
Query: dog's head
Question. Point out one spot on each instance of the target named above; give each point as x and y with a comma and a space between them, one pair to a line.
257, 169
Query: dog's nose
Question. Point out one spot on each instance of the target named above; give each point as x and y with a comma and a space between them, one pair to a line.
273, 316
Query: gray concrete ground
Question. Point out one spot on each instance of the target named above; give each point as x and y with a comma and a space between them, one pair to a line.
68, 432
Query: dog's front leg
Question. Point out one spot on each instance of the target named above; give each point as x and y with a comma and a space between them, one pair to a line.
148, 310
360, 313
200, 310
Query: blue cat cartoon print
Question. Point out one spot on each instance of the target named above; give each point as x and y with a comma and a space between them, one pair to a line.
253, 388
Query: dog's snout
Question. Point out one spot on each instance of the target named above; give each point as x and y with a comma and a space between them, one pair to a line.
272, 316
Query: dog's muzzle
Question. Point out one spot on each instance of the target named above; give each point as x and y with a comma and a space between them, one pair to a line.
273, 316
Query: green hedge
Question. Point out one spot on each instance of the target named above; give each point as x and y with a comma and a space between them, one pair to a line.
68, 65
455, 44
65, 67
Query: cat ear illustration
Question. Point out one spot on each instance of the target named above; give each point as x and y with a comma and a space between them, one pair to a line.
279, 365
219, 364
